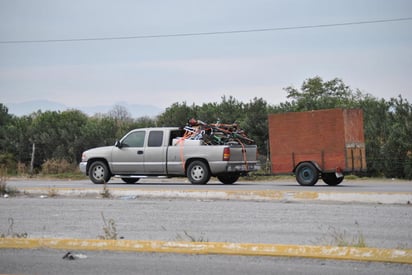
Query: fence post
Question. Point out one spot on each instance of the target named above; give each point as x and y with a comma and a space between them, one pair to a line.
32, 158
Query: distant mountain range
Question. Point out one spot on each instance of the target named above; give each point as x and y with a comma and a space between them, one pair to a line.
28, 107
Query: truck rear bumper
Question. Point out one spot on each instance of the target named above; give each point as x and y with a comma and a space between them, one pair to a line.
220, 167
250, 167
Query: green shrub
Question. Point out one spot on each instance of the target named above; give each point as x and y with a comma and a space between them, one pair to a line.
8, 161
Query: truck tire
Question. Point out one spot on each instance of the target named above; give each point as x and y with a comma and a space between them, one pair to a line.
198, 172
228, 178
99, 172
130, 180
307, 174
331, 179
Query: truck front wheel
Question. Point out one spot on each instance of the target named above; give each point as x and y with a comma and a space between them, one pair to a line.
99, 172
228, 178
198, 172
307, 174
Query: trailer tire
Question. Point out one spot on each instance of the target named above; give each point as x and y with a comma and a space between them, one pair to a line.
99, 172
307, 174
228, 178
198, 172
331, 179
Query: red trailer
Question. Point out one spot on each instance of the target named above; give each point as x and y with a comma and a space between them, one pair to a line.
322, 144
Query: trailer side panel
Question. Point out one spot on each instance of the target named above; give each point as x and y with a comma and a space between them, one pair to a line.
332, 138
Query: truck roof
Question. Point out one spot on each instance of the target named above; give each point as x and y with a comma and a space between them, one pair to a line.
158, 128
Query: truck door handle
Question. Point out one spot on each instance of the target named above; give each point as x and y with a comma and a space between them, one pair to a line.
140, 152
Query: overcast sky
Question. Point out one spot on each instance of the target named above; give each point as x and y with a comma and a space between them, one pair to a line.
374, 58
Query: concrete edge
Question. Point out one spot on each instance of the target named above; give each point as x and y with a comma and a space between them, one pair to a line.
256, 195
245, 249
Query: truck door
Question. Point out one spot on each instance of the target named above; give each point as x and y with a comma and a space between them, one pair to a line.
155, 153
128, 157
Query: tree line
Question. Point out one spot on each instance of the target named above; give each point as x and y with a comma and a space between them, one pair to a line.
65, 135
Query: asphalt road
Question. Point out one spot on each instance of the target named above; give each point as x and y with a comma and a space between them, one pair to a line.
304, 223
51, 262
366, 185
215, 220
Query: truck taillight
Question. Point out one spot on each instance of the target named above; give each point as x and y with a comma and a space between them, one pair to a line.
226, 154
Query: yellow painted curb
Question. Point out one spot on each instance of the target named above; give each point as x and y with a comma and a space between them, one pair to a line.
245, 249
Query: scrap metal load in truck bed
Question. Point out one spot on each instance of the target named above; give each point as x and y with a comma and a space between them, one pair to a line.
322, 144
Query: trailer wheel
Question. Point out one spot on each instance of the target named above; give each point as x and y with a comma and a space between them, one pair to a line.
99, 172
228, 178
198, 172
331, 179
307, 174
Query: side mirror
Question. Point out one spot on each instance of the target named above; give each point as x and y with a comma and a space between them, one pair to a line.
118, 144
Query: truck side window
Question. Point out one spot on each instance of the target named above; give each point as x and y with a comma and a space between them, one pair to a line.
135, 139
155, 139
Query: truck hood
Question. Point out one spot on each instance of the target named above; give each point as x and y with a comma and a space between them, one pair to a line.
103, 151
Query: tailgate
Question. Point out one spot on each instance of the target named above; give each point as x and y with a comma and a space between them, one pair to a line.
243, 153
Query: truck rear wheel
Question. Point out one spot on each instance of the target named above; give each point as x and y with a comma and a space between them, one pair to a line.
331, 179
307, 174
198, 172
99, 172
228, 178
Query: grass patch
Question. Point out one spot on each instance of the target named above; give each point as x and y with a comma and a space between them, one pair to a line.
10, 231
351, 177
188, 237
52, 192
6, 190
343, 238
68, 175
265, 177
105, 192
109, 229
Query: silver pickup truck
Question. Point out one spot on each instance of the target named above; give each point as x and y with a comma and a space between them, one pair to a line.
164, 152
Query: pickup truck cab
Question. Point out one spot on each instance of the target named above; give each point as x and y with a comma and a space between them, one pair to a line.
164, 152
